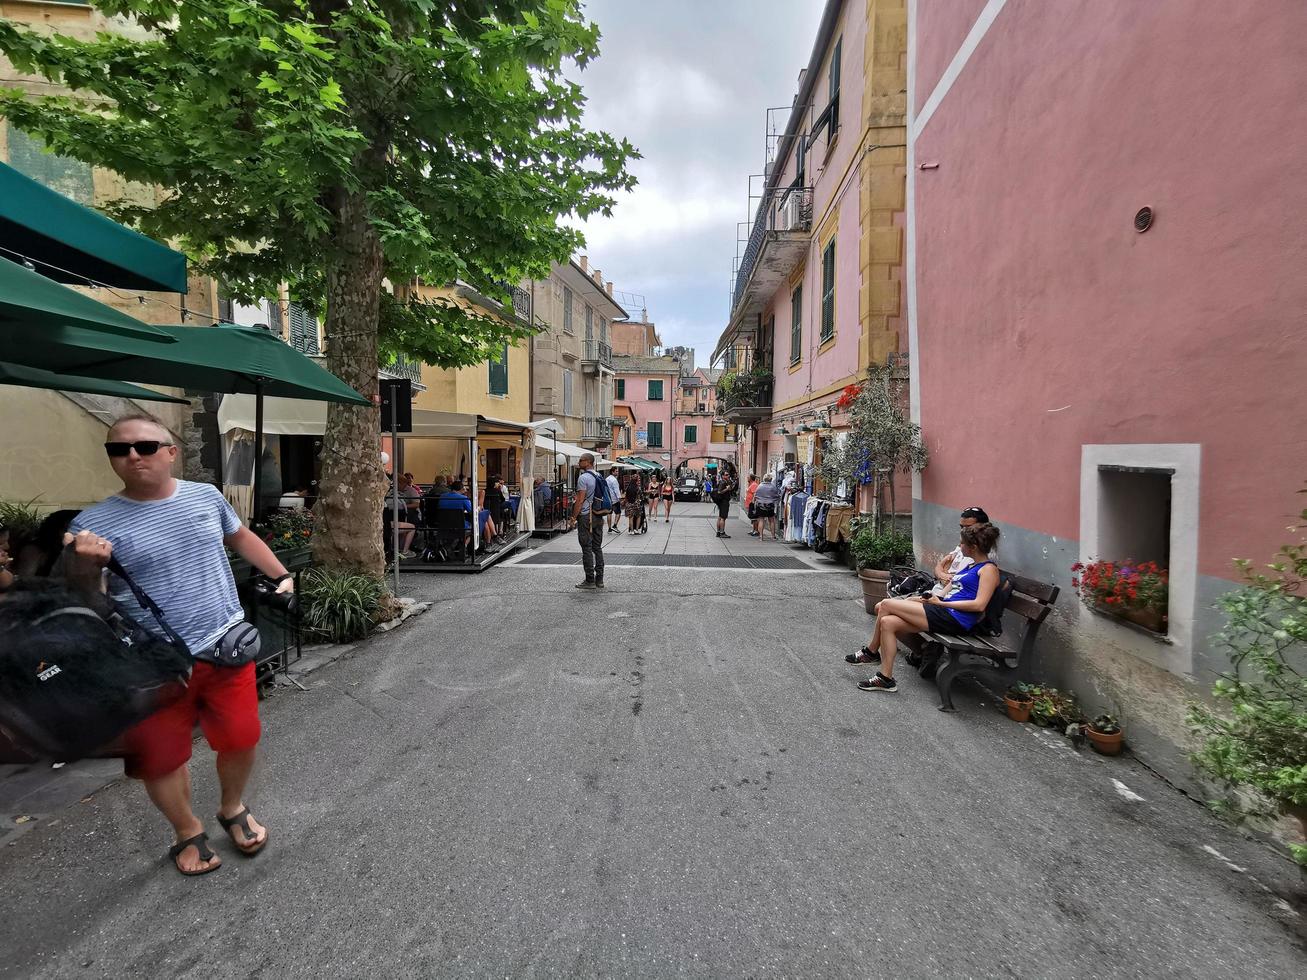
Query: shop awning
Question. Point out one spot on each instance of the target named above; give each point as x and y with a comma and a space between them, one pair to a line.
29, 377
41, 306
73, 244
297, 417
641, 462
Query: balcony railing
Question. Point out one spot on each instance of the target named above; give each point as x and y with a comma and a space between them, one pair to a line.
744, 395
403, 368
597, 351
783, 209
597, 429
522, 303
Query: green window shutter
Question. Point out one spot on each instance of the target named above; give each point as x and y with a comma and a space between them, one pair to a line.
796, 324
656, 390
655, 435
828, 291
691, 433
619, 389
499, 374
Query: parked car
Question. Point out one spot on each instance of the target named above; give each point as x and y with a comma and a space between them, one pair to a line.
689, 488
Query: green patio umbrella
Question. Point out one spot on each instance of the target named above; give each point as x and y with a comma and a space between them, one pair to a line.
227, 359
29, 377
74, 244
29, 299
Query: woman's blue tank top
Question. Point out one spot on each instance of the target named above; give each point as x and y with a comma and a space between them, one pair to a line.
963, 586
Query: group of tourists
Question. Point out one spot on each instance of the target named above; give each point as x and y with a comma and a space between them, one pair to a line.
760, 500
415, 510
965, 581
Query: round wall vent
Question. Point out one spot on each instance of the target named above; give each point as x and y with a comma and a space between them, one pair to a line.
1143, 219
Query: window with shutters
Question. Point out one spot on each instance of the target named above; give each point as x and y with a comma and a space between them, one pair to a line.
303, 330
619, 389
567, 310
567, 392
829, 120
655, 435
499, 373
796, 324
276, 321
656, 390
828, 291
589, 324
691, 434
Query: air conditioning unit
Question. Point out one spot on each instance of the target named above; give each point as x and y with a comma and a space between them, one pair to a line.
794, 213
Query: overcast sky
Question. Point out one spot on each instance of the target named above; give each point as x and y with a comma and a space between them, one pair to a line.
688, 82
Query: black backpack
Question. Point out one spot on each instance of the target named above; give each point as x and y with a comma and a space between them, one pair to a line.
71, 679
907, 581
991, 623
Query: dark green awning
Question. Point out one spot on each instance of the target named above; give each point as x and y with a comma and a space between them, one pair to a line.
71, 243
31, 300
219, 359
30, 377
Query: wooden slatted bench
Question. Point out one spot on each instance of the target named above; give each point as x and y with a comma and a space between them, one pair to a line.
992, 657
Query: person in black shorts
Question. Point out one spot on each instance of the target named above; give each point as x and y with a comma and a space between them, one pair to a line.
955, 613
722, 492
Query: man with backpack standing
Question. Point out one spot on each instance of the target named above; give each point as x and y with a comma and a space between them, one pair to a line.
170, 535
721, 495
590, 514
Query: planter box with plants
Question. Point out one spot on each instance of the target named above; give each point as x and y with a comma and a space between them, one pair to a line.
876, 552
1133, 591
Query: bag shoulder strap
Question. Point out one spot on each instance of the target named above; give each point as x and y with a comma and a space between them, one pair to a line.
148, 604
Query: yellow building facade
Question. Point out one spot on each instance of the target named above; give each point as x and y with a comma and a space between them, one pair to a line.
499, 388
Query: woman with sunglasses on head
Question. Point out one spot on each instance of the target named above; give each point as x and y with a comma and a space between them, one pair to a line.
955, 613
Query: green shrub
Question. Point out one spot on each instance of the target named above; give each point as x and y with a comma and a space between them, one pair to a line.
1053, 708
880, 550
339, 606
21, 518
1257, 738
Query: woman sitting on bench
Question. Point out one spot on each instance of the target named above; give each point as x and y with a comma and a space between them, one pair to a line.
957, 612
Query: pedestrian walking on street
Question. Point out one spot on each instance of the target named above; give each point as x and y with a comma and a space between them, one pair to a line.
764, 506
170, 536
669, 492
589, 525
748, 504
615, 493
634, 505
721, 495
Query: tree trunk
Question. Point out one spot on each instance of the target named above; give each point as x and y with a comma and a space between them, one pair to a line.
349, 506
893, 503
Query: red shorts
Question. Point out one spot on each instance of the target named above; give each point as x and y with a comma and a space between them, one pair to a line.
224, 700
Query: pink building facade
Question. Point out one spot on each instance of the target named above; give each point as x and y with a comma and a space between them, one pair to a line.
1109, 381
703, 437
647, 387
819, 289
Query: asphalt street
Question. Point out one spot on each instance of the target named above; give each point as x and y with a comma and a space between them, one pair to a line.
677, 777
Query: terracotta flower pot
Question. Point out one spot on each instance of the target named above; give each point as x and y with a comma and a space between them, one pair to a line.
1017, 710
1104, 743
875, 586
1149, 619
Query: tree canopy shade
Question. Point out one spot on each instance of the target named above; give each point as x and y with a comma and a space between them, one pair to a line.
336, 143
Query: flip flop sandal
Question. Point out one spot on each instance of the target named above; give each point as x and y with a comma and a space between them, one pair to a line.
201, 844
242, 820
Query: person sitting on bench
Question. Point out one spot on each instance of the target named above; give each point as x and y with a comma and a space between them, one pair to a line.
955, 561
957, 612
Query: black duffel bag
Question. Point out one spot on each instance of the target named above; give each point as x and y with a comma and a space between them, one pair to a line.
73, 679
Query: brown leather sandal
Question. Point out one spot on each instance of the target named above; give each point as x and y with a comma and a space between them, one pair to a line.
242, 820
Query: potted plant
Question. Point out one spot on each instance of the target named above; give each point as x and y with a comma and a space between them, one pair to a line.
1051, 708
289, 533
1018, 701
1105, 735
1254, 738
1136, 591
876, 552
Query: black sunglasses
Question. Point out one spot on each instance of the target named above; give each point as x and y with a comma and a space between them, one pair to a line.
146, 447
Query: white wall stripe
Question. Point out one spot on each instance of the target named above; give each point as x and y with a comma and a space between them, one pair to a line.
977, 33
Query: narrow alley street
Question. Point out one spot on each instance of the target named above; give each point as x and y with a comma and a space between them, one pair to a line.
675, 777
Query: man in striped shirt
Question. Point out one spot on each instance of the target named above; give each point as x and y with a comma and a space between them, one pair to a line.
170, 536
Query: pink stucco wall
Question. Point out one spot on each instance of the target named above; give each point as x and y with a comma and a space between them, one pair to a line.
945, 24
1045, 322
834, 179
644, 410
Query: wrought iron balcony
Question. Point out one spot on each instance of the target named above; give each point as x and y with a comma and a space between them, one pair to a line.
596, 429
522, 303
744, 397
784, 217
597, 352
401, 367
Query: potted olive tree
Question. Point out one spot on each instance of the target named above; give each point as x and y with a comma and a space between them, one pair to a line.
1254, 737
876, 552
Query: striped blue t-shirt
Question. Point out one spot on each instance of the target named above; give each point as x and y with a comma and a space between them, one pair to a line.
173, 549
